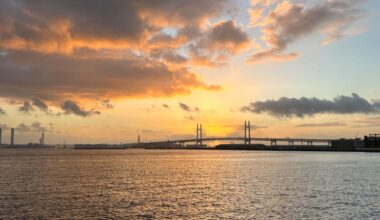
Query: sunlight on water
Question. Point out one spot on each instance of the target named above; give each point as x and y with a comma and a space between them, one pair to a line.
188, 184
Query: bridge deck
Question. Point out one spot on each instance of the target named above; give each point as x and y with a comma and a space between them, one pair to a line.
306, 140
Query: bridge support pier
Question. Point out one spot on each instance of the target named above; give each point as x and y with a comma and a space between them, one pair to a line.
291, 143
273, 143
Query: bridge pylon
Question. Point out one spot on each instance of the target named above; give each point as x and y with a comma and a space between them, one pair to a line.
247, 132
199, 135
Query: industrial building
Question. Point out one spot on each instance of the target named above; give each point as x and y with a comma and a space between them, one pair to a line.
372, 141
347, 144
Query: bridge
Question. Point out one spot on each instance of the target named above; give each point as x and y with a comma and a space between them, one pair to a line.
247, 139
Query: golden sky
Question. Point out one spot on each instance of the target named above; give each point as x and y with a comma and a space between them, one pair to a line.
106, 71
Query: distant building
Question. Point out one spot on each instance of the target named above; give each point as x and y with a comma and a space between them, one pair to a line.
372, 141
347, 144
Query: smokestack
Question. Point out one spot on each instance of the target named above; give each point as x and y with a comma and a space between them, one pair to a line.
12, 136
1, 136
43, 139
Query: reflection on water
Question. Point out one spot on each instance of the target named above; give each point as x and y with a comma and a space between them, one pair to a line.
188, 184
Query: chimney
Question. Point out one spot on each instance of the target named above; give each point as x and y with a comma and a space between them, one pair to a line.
12, 136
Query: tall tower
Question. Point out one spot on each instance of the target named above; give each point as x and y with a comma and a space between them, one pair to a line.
42, 140
12, 136
199, 134
138, 139
1, 136
247, 132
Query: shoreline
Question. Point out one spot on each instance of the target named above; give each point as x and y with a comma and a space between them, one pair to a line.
223, 147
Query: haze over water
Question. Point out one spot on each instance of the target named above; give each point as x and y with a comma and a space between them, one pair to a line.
156, 184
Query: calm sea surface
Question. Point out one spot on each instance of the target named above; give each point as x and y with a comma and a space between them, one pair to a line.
157, 184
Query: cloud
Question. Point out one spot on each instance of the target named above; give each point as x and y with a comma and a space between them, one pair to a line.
59, 77
147, 131
70, 107
61, 49
183, 12
169, 56
288, 23
366, 122
40, 104
26, 108
35, 127
2, 112
222, 40
63, 25
289, 107
185, 107
190, 118
272, 56
327, 124
4, 127
262, 2
166, 106
107, 104
188, 108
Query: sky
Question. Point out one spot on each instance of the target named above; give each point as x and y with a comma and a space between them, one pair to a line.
106, 71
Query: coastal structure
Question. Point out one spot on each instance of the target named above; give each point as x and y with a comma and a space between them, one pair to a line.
42, 139
369, 144
12, 136
372, 141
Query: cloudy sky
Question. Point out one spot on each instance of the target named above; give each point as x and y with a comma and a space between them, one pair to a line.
107, 70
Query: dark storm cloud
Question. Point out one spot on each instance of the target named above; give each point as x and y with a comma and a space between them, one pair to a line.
70, 107
57, 77
289, 107
289, 22
26, 107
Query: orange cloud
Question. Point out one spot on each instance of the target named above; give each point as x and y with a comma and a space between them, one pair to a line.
289, 22
57, 77
62, 49
221, 41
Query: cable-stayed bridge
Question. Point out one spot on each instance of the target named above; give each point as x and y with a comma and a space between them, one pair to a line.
246, 139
